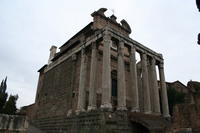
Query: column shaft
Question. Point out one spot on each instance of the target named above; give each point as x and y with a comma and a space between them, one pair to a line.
121, 94
106, 73
145, 85
155, 91
92, 89
150, 84
134, 81
165, 107
82, 92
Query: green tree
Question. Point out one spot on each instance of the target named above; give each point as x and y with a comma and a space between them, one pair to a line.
174, 97
7, 106
10, 106
3, 94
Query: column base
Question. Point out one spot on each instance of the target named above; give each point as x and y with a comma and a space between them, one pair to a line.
147, 112
107, 106
166, 115
91, 108
135, 110
156, 113
78, 111
69, 112
121, 108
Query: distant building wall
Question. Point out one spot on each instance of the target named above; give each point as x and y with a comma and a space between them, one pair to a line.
194, 88
28, 111
186, 116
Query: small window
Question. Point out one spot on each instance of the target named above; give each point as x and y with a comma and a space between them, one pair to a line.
114, 87
73, 94
114, 45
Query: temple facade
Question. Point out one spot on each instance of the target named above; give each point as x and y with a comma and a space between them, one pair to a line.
102, 81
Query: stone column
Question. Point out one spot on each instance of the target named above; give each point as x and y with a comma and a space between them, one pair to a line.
165, 107
154, 85
140, 89
145, 85
121, 85
150, 82
82, 92
92, 89
134, 82
106, 73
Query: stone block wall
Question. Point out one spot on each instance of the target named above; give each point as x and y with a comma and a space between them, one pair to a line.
186, 116
13, 124
93, 122
56, 93
101, 122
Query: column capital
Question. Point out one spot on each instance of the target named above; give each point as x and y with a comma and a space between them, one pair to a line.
83, 50
121, 41
144, 56
161, 65
94, 45
133, 49
106, 36
121, 48
153, 61
74, 57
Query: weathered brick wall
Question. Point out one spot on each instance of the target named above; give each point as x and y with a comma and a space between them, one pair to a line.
100, 22
55, 96
28, 111
178, 86
194, 88
186, 116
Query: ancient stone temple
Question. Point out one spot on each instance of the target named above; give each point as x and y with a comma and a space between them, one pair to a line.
102, 81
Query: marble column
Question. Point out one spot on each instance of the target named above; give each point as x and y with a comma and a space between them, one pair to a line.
150, 82
134, 81
145, 85
140, 89
121, 85
92, 89
106, 73
82, 80
154, 88
165, 107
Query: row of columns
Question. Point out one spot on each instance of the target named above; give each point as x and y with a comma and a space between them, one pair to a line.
149, 81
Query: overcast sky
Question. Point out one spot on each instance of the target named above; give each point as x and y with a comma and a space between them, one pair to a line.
29, 27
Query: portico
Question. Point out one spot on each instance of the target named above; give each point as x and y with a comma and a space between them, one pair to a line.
149, 62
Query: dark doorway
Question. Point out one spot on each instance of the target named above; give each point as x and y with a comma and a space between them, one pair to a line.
138, 128
114, 89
